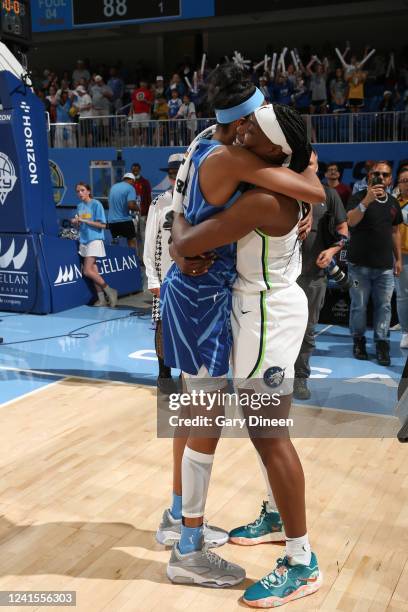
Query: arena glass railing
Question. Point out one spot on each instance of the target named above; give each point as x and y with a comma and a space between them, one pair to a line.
119, 131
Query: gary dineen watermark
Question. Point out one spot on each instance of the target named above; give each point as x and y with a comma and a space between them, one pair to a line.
356, 407
211, 403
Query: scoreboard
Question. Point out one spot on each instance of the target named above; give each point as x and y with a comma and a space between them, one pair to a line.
15, 21
52, 15
117, 11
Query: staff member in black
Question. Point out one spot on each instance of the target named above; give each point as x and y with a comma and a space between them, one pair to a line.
318, 250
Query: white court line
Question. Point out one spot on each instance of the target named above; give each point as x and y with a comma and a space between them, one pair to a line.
24, 395
323, 330
74, 376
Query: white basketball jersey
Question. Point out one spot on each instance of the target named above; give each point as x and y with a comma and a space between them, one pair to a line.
267, 262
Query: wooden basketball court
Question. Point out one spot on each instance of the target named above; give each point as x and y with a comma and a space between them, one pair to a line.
85, 481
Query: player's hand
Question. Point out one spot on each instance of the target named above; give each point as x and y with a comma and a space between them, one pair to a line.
196, 266
305, 225
155, 291
373, 192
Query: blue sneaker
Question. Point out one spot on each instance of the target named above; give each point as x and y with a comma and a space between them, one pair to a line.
284, 584
268, 527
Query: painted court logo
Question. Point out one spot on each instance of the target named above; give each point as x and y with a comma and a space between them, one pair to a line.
10, 257
8, 177
274, 376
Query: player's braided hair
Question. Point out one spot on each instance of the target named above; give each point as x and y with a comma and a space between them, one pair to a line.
294, 129
227, 86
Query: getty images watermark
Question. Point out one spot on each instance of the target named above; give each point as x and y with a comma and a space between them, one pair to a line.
205, 413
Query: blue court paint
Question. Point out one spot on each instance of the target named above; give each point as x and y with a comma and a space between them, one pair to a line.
120, 347
15, 385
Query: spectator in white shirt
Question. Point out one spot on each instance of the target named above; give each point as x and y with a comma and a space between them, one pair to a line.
80, 72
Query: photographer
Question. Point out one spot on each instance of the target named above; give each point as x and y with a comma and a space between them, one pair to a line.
319, 248
374, 256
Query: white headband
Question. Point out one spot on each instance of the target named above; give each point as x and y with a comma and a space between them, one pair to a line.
269, 124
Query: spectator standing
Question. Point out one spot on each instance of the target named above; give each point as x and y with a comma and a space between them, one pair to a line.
161, 113
187, 111
332, 175
118, 89
263, 86
301, 97
159, 87
175, 83
283, 90
64, 134
80, 72
374, 255
174, 105
144, 192
402, 281
338, 92
101, 96
142, 101
122, 200
53, 99
83, 103
355, 94
317, 253
318, 86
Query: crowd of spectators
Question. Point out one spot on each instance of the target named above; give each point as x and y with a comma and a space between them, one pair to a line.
312, 86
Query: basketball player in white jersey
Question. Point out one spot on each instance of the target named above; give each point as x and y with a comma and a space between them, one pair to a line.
269, 318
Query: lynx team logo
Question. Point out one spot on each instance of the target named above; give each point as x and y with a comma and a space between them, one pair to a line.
8, 177
273, 377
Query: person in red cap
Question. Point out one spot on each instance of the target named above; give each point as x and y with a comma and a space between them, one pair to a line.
144, 191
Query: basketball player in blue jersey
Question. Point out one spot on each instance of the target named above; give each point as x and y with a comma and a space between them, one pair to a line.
269, 317
196, 311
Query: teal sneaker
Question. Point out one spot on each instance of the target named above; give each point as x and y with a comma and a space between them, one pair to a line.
284, 584
268, 527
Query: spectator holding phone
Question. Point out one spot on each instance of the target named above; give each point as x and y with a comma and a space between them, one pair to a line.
374, 256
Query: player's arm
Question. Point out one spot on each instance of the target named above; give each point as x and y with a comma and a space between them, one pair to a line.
226, 227
244, 166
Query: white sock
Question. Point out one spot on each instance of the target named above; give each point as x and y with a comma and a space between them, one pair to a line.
195, 478
101, 296
271, 503
298, 550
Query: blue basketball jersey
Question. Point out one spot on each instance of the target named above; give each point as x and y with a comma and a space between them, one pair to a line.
196, 310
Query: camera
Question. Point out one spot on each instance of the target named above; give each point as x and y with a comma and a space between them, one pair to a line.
376, 180
338, 276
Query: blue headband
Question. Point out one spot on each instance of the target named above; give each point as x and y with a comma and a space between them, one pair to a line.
228, 115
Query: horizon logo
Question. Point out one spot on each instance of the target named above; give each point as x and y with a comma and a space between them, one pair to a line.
8, 177
68, 275
10, 257
29, 143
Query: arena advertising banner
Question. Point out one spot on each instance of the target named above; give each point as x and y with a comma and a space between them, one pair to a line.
69, 288
68, 166
53, 15
25, 185
23, 286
